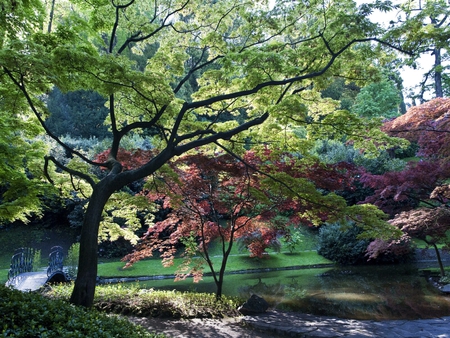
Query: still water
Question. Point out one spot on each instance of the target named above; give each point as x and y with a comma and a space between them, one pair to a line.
366, 292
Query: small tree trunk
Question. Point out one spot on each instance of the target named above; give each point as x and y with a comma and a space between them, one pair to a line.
226, 254
438, 255
219, 282
83, 292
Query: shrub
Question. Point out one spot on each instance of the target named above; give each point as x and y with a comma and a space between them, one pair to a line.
293, 240
32, 315
340, 243
132, 300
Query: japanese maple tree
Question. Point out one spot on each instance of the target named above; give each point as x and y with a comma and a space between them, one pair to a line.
394, 192
218, 198
431, 225
185, 73
428, 125
423, 183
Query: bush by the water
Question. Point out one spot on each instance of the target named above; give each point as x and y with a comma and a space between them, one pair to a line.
132, 300
340, 244
32, 315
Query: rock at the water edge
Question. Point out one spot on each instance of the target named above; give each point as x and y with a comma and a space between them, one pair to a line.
254, 305
446, 288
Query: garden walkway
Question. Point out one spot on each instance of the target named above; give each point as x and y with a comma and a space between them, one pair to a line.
289, 324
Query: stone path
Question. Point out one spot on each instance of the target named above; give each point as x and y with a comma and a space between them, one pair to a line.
304, 325
289, 324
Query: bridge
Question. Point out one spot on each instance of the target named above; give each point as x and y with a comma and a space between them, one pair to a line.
22, 277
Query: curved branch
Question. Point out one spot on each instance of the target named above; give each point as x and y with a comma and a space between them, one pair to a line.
135, 37
240, 159
73, 172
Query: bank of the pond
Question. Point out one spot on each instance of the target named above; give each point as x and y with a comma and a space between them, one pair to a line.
118, 279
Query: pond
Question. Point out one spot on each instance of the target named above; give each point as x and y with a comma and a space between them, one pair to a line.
364, 292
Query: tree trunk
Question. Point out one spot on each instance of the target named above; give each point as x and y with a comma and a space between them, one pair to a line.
83, 292
219, 282
225, 255
50, 19
437, 73
438, 255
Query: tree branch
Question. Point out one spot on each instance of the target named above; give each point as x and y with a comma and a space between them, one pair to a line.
73, 172
273, 83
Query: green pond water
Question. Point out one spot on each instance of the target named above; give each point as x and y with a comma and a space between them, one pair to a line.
371, 292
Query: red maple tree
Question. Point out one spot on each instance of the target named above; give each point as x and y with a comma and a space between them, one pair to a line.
129, 159
397, 191
221, 198
423, 183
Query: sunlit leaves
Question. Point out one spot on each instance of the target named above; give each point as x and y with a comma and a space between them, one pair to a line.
21, 170
19, 18
121, 217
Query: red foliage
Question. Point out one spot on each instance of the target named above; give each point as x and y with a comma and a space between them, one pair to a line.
210, 197
395, 192
428, 224
428, 125
398, 193
397, 248
129, 159
223, 198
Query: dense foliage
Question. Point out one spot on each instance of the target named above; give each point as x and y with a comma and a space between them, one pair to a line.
78, 114
379, 99
26, 314
254, 200
340, 243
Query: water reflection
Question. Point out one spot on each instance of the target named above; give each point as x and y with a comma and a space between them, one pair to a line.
360, 293
374, 292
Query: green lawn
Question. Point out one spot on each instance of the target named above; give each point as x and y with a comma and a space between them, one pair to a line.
153, 267
304, 255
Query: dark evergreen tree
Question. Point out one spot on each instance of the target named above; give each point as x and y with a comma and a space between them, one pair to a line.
79, 113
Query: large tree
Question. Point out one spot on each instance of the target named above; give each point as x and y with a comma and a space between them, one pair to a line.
424, 28
263, 63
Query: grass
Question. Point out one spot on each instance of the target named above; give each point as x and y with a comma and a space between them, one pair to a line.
153, 267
